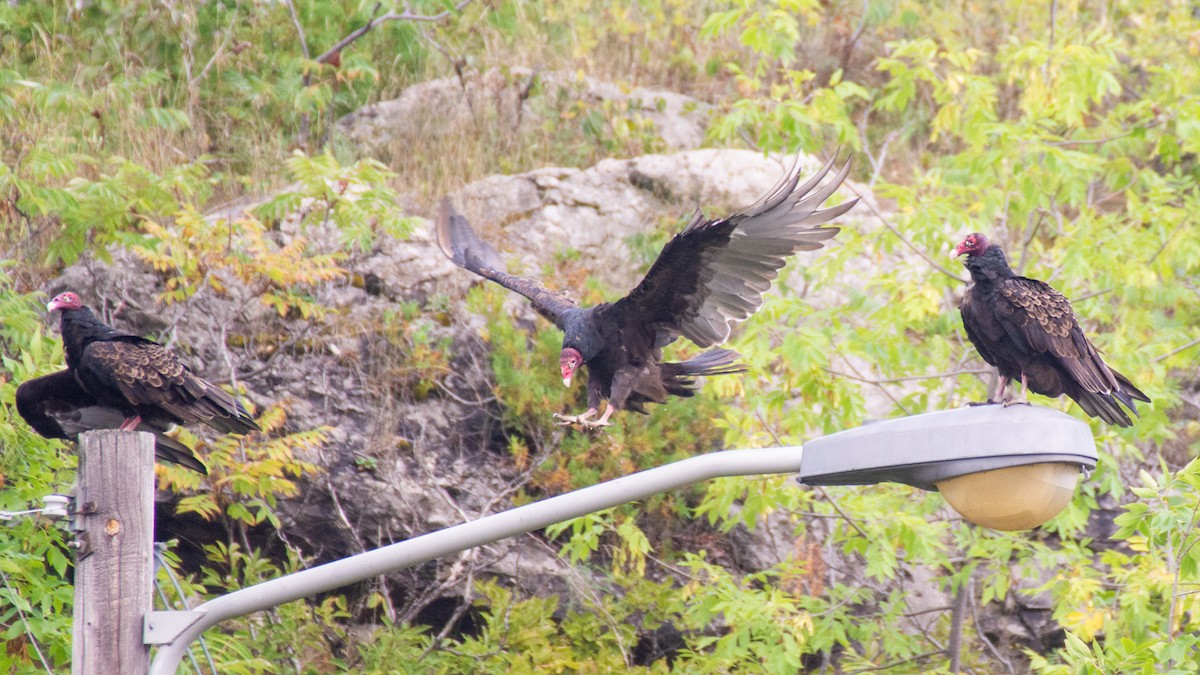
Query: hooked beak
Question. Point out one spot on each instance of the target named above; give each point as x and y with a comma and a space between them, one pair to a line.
567, 379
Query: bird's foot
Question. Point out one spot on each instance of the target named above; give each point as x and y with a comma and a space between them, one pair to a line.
130, 423
584, 421
591, 425
972, 404
573, 420
1017, 401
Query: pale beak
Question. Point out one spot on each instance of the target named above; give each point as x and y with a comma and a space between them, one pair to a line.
567, 381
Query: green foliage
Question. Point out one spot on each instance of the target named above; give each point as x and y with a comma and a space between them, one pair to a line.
36, 557
1067, 132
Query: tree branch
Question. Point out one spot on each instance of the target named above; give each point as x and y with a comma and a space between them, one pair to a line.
907, 242
957, 613
406, 15
1175, 351
910, 378
299, 29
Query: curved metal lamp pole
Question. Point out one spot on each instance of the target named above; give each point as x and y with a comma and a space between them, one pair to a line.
176, 630
920, 450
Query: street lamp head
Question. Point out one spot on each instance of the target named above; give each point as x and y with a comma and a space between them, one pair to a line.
1005, 468
1013, 498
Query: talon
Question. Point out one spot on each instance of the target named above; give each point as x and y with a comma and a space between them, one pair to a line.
571, 420
1016, 401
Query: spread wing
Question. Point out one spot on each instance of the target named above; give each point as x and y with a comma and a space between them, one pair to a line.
714, 273
57, 407
1040, 320
145, 373
460, 243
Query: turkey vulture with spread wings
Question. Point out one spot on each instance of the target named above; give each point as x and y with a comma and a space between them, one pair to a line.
709, 277
57, 407
140, 378
1027, 330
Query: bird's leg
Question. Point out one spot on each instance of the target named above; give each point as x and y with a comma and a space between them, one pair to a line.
603, 421
581, 418
1023, 399
1000, 391
999, 395
131, 423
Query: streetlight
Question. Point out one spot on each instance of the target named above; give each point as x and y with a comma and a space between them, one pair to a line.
981, 458
1005, 468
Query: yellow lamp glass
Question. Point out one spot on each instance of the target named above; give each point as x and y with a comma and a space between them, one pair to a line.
1012, 498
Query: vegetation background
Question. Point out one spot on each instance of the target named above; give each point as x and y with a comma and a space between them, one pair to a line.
1068, 129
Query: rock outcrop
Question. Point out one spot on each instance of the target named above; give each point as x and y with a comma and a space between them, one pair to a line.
520, 99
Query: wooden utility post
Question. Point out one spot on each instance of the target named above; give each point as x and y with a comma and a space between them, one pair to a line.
114, 571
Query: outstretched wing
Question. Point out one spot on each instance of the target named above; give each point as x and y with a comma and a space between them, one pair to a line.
460, 243
714, 273
147, 374
1040, 320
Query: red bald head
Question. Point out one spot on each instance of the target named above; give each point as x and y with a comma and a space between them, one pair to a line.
66, 300
568, 362
974, 244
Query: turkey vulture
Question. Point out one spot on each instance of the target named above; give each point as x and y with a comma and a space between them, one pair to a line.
140, 378
709, 277
1027, 330
57, 407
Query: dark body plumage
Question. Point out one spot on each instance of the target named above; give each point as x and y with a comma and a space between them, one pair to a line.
709, 277
140, 378
57, 407
1028, 331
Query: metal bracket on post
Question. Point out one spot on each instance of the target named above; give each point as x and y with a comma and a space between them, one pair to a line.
160, 628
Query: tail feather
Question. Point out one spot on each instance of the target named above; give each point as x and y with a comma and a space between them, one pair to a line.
683, 378
1127, 392
170, 450
1103, 406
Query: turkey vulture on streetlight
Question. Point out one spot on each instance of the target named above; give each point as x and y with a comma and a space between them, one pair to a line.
709, 277
1028, 331
57, 407
140, 378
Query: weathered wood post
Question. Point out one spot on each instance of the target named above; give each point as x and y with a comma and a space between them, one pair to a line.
114, 571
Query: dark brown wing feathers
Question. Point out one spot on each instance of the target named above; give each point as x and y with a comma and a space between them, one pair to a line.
714, 273
148, 374
56, 406
1049, 326
459, 242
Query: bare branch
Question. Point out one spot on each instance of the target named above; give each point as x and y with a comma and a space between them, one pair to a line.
406, 15
907, 242
894, 664
1175, 351
217, 54
299, 29
1167, 241
911, 378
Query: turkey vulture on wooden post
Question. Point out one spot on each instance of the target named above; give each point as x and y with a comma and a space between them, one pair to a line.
1027, 330
139, 378
709, 277
57, 407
